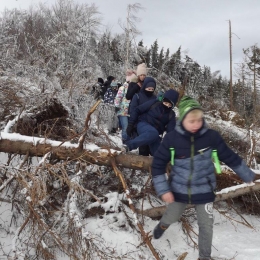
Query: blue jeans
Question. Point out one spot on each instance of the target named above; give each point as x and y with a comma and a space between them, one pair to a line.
147, 135
123, 121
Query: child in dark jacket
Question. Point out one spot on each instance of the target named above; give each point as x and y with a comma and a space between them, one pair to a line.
192, 179
109, 98
152, 118
145, 94
106, 85
134, 87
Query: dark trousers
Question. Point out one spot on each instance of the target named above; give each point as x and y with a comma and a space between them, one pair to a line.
144, 150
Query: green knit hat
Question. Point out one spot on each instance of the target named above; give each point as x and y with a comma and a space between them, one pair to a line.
187, 104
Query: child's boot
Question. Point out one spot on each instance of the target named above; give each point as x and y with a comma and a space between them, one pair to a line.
159, 230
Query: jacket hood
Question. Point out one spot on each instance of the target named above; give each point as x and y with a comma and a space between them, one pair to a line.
110, 78
147, 81
172, 95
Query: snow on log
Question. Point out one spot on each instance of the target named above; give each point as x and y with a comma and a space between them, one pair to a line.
227, 193
91, 153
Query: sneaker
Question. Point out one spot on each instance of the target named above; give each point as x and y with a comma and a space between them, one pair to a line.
159, 230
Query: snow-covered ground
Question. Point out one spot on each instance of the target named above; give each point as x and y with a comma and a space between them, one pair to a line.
231, 239
114, 232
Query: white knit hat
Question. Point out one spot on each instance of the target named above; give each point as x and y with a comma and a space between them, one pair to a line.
141, 69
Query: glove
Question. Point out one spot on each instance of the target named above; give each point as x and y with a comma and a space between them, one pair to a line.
117, 109
129, 129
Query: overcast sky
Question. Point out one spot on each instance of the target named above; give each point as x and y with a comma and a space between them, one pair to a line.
200, 27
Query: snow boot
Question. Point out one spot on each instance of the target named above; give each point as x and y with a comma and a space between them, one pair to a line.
159, 230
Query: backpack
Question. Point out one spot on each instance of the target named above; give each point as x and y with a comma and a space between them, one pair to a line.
156, 104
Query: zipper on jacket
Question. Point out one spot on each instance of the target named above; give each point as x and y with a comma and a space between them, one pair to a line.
191, 167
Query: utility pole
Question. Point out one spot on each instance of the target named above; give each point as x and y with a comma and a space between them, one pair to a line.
230, 55
243, 86
254, 73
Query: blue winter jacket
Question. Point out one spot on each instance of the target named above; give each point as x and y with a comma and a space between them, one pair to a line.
192, 178
159, 116
141, 97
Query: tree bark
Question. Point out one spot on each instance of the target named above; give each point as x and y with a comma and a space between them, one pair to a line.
35, 146
224, 194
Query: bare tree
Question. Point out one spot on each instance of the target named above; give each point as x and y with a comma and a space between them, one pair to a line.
130, 28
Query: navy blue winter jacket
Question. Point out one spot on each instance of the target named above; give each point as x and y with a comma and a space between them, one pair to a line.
159, 116
141, 97
133, 88
192, 178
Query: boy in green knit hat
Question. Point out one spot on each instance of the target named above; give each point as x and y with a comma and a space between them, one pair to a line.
189, 148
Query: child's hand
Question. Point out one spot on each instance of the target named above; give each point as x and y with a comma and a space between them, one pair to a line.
168, 197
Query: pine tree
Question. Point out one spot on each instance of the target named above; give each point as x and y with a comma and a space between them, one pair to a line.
251, 71
161, 59
154, 55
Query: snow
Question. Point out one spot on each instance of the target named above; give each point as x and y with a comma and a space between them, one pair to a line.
117, 233
34, 140
231, 240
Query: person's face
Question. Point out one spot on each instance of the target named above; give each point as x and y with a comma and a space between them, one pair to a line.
167, 104
193, 121
151, 89
142, 77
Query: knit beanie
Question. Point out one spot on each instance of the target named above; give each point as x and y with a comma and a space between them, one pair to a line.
141, 69
186, 105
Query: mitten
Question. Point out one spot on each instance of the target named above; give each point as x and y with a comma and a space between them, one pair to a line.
129, 129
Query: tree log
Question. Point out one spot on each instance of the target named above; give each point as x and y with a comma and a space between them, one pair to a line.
224, 194
35, 146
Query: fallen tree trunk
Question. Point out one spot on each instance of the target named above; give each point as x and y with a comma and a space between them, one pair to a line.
35, 146
224, 194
